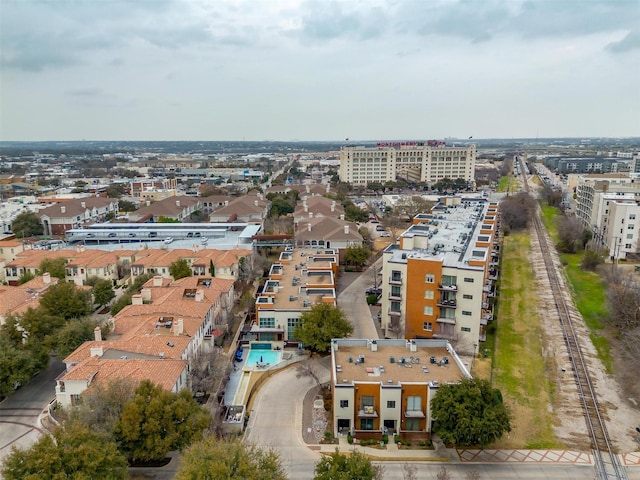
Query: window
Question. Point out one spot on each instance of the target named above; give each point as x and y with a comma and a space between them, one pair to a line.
428, 326
468, 279
396, 275
344, 403
627, 245
465, 329
395, 291
428, 295
268, 322
366, 401
366, 424
292, 323
428, 310
391, 404
467, 296
414, 403
630, 227
632, 216
395, 306
466, 313
429, 278
412, 424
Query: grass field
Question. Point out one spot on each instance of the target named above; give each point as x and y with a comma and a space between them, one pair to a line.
518, 368
589, 292
508, 184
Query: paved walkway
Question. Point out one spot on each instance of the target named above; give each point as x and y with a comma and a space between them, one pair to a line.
557, 456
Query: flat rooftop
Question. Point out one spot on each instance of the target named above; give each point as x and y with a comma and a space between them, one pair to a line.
391, 364
449, 234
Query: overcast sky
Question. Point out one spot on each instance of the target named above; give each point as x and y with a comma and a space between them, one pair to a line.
318, 69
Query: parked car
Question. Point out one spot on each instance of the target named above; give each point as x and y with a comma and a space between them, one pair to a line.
385, 234
373, 291
239, 354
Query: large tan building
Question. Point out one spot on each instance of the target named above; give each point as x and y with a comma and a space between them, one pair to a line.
428, 162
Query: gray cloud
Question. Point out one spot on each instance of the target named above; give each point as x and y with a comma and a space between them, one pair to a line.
630, 42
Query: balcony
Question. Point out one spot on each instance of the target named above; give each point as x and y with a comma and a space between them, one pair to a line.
395, 313
414, 414
368, 412
447, 303
447, 321
448, 288
395, 281
395, 296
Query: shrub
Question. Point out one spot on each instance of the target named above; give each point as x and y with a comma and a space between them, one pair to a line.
385, 438
350, 439
396, 438
328, 435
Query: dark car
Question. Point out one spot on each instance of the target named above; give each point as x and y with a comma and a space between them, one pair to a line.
373, 291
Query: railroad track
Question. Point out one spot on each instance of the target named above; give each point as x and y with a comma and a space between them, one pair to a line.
607, 463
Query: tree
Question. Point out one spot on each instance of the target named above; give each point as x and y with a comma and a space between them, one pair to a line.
320, 325
180, 269
570, 234
516, 210
26, 224
340, 466
120, 303
157, 421
232, 459
409, 207
103, 292
470, 413
64, 299
73, 334
409, 471
17, 363
356, 255
56, 267
590, 260
163, 219
352, 213
127, 206
27, 276
443, 474
74, 451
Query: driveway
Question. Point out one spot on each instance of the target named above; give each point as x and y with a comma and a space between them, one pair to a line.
19, 412
276, 419
353, 302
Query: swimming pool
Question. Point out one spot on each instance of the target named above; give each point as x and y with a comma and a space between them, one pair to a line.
263, 356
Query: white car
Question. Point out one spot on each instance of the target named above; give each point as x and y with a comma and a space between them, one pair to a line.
385, 234
168, 240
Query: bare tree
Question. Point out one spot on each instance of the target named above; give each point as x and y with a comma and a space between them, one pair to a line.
395, 225
409, 471
623, 294
516, 210
570, 234
472, 475
308, 369
409, 207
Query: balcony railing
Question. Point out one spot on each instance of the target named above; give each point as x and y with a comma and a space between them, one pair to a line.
368, 412
414, 414
395, 296
448, 288
395, 281
396, 313
447, 303
448, 321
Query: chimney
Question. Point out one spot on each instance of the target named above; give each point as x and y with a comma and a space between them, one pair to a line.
255, 202
46, 278
306, 209
304, 204
157, 280
136, 299
63, 209
328, 187
97, 334
308, 189
96, 351
178, 328
333, 206
310, 214
346, 229
148, 202
413, 347
82, 248
145, 293
83, 204
342, 216
177, 203
199, 295
308, 227
374, 345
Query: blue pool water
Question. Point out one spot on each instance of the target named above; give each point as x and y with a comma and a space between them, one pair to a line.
268, 356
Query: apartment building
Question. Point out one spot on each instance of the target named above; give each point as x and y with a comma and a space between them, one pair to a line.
590, 189
299, 280
438, 281
386, 386
58, 218
428, 162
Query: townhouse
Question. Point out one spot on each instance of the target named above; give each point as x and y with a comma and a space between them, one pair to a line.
15, 300
385, 386
316, 207
174, 207
158, 337
58, 218
438, 281
300, 279
327, 232
247, 208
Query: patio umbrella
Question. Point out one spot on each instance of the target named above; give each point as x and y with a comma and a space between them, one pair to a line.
260, 358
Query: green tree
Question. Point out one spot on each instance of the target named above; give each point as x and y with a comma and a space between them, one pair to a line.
39, 324
27, 276
137, 284
64, 299
73, 334
470, 413
17, 363
356, 255
340, 466
103, 292
353, 213
180, 269
229, 459
119, 304
56, 267
26, 224
320, 325
126, 206
163, 219
73, 452
157, 421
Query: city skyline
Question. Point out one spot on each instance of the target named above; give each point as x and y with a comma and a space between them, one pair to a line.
312, 70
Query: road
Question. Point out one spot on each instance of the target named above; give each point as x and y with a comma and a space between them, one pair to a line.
19, 412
